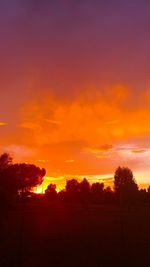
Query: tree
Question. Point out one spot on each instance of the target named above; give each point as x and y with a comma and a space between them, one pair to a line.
51, 192
19, 178
7, 187
97, 192
84, 189
108, 195
62, 195
5, 161
84, 186
125, 185
143, 196
72, 190
97, 188
72, 186
26, 176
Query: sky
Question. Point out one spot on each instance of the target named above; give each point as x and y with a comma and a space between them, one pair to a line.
75, 86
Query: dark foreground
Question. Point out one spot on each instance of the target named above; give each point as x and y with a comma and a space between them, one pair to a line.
42, 234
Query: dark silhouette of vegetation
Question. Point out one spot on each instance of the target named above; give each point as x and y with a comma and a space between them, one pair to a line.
82, 225
17, 179
97, 192
8, 187
83, 192
125, 186
51, 192
5, 161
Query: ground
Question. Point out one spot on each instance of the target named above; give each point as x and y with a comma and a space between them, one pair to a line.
39, 234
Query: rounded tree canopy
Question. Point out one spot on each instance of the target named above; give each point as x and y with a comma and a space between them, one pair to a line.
21, 176
124, 180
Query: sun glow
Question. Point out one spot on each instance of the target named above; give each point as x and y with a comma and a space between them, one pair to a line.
107, 179
61, 181
40, 189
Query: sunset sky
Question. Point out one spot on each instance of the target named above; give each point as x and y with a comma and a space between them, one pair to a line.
75, 86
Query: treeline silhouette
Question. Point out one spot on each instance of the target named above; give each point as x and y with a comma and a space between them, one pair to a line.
17, 181
81, 192
82, 225
124, 193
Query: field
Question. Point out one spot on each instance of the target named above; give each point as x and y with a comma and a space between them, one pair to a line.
39, 234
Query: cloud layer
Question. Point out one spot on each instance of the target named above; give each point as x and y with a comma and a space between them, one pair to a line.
75, 86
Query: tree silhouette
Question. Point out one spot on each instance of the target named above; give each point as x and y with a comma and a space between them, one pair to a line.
5, 161
143, 196
125, 185
108, 195
26, 176
84, 189
97, 192
72, 186
97, 188
72, 190
62, 196
16, 178
84, 186
50, 192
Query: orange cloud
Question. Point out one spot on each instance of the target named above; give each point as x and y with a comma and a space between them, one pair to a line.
137, 151
29, 125
69, 160
99, 149
3, 123
85, 130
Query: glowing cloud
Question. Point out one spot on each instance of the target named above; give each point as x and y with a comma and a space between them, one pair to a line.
69, 160
81, 93
3, 123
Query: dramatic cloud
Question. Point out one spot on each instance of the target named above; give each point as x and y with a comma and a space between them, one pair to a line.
75, 85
